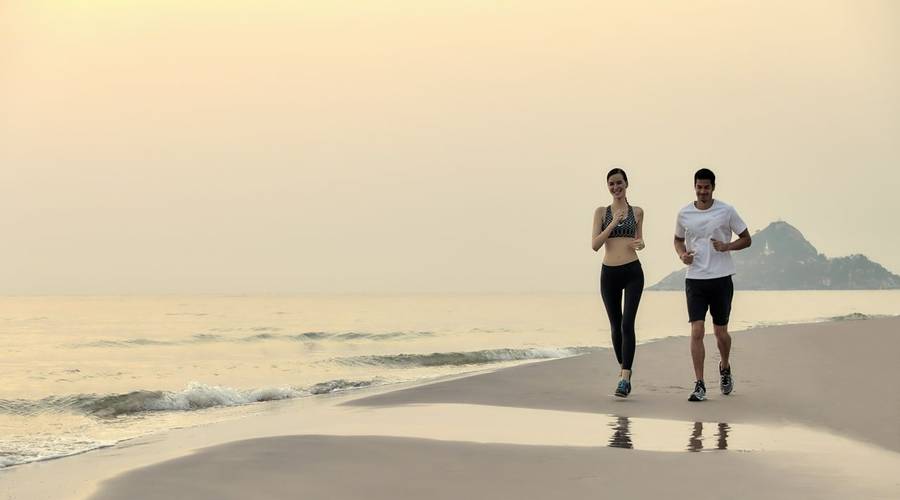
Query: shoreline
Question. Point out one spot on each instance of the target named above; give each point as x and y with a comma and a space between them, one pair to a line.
564, 387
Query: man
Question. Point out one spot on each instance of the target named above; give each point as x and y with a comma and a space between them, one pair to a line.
703, 233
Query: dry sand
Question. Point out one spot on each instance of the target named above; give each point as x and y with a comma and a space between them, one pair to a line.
814, 414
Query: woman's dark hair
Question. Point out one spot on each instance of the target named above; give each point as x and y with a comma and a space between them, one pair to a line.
706, 175
617, 171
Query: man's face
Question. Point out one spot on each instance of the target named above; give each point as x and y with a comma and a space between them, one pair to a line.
704, 189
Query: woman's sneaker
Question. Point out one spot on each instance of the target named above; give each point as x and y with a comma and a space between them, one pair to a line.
727, 382
623, 389
699, 393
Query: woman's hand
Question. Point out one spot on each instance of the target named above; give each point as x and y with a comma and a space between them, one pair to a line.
618, 216
637, 244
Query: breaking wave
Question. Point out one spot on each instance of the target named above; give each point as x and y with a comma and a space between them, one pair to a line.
196, 396
857, 316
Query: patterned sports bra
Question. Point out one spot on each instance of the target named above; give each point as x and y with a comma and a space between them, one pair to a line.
625, 229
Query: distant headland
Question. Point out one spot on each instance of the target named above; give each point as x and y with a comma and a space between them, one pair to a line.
782, 259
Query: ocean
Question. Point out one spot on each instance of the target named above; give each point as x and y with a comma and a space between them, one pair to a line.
81, 373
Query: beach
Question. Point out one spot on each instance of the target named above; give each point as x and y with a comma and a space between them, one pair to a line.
814, 414
340, 250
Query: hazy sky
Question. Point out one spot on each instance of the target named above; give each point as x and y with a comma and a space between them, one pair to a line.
164, 146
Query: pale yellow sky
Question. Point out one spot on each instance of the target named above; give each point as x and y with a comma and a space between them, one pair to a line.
400, 146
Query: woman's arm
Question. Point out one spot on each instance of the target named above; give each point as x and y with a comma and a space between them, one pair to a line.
599, 235
638, 243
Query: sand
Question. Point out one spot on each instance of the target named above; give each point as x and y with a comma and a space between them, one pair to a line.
814, 414
842, 376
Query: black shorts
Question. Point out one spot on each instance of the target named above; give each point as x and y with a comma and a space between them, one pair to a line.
714, 294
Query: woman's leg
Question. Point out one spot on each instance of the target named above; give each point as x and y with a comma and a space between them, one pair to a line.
611, 291
634, 288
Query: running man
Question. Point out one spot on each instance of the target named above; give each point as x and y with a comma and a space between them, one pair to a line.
703, 234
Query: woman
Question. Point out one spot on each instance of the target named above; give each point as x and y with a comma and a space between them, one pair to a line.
618, 227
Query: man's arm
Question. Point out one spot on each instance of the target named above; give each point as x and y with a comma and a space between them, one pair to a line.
744, 240
681, 250
736, 224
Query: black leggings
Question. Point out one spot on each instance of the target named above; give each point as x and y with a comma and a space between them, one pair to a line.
613, 280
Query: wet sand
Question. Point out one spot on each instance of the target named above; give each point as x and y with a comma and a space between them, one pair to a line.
814, 414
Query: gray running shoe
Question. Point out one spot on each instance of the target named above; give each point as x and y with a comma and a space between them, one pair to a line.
699, 393
727, 382
623, 389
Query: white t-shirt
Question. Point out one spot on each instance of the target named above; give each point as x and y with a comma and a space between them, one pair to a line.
699, 228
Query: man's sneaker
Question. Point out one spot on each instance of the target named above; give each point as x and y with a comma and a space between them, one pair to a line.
699, 393
726, 383
623, 389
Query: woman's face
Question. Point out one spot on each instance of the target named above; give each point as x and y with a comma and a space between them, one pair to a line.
617, 186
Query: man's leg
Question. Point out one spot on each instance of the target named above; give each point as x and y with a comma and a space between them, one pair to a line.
698, 352
697, 303
720, 308
723, 341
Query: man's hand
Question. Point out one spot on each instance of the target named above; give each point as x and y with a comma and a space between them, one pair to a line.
721, 246
687, 258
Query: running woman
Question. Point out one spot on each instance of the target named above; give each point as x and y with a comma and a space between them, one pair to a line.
618, 228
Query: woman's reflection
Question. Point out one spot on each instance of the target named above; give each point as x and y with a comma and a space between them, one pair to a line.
621, 437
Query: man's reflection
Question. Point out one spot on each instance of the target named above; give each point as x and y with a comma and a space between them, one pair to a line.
695, 442
621, 437
722, 436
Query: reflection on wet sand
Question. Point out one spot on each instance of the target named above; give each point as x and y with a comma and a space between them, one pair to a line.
695, 442
722, 441
621, 436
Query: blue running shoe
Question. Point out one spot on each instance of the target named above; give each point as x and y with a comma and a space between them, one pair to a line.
623, 389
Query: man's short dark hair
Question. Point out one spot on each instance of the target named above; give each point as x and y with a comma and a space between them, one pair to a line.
706, 175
